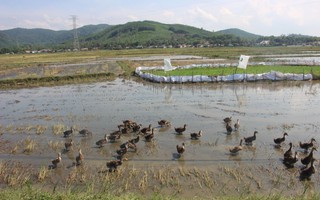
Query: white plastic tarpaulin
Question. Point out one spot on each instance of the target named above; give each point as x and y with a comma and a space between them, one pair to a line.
243, 61
273, 76
167, 65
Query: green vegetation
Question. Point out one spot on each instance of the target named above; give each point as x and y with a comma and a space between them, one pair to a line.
28, 192
223, 71
55, 80
137, 35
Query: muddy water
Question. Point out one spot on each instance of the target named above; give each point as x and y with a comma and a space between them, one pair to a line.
269, 108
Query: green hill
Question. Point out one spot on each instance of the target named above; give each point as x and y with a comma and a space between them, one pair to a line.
43, 37
147, 33
239, 33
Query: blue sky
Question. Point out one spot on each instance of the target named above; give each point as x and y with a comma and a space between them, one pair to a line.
263, 17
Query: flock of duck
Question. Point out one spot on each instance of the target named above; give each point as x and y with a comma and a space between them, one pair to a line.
129, 126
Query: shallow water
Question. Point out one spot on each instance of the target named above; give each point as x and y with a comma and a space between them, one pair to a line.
271, 108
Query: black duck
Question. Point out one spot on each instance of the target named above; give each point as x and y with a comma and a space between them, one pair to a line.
196, 136
180, 130
306, 160
307, 145
288, 153
278, 141
68, 133
307, 172
249, 140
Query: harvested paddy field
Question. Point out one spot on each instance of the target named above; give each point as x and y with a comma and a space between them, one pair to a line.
33, 121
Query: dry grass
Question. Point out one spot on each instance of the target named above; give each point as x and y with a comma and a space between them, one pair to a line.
58, 129
30, 145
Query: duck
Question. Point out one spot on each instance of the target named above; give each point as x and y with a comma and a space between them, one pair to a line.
307, 145
150, 136
307, 172
135, 140
56, 161
306, 160
229, 128
129, 145
181, 149
289, 161
113, 165
103, 141
180, 130
196, 136
114, 137
236, 149
237, 125
288, 153
85, 132
227, 119
145, 130
68, 145
79, 158
249, 140
136, 127
122, 151
164, 122
278, 141
68, 133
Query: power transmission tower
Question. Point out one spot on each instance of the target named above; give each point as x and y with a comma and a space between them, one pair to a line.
76, 44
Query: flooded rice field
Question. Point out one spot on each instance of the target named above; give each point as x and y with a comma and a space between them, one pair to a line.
32, 122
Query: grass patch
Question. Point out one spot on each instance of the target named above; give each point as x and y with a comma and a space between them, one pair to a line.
55, 80
223, 71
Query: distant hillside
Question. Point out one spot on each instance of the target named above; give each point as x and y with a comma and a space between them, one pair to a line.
147, 33
239, 33
43, 37
140, 34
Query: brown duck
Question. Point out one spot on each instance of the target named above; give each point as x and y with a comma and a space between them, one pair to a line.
164, 122
307, 173
85, 132
196, 136
236, 149
56, 161
307, 145
79, 158
114, 138
237, 125
249, 140
68, 145
145, 130
227, 119
306, 160
278, 141
103, 141
150, 136
180, 130
181, 149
